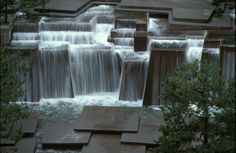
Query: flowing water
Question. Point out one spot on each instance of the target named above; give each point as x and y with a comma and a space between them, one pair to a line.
72, 64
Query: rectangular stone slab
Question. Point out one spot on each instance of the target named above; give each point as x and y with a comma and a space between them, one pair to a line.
102, 143
147, 133
27, 145
7, 142
62, 135
29, 125
108, 119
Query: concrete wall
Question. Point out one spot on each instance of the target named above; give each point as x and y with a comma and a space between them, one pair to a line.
6, 31
162, 63
227, 61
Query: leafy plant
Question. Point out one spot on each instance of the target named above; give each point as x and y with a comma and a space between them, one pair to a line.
200, 116
169, 45
10, 83
4, 6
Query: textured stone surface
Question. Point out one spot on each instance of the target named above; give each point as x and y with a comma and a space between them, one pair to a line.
147, 134
7, 142
101, 143
107, 119
168, 4
26, 145
61, 135
64, 6
162, 63
140, 41
29, 125
194, 15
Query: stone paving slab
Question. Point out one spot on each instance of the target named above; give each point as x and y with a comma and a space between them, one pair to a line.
62, 135
193, 15
101, 143
71, 6
11, 131
8, 149
183, 10
29, 125
168, 4
7, 142
147, 134
109, 119
27, 145
217, 23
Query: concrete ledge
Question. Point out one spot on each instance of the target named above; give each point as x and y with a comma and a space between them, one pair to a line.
147, 134
140, 41
26, 145
7, 142
107, 143
227, 61
29, 125
192, 15
162, 63
213, 43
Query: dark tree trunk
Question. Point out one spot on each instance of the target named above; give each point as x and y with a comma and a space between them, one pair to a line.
6, 14
206, 130
43, 5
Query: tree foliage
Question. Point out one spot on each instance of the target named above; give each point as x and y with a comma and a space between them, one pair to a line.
201, 114
10, 70
4, 6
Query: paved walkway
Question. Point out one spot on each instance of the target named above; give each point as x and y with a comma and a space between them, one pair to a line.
181, 12
64, 6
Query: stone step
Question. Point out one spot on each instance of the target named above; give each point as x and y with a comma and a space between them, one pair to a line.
147, 134
63, 135
101, 143
29, 125
27, 145
108, 119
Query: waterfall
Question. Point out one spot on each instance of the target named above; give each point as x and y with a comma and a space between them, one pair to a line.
102, 32
54, 74
124, 41
25, 36
64, 26
125, 32
228, 62
133, 77
211, 55
93, 70
194, 50
105, 19
25, 27
68, 36
153, 27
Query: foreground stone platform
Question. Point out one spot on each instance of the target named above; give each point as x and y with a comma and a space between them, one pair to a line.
29, 125
147, 134
109, 119
68, 6
101, 143
194, 13
63, 135
27, 145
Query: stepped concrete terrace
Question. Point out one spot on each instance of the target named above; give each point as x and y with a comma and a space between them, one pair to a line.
196, 13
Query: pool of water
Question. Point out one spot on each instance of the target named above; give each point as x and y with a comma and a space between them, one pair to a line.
66, 110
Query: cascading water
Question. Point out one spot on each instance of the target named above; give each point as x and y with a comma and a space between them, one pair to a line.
133, 76
102, 32
194, 50
54, 73
124, 41
93, 70
153, 27
74, 57
125, 32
